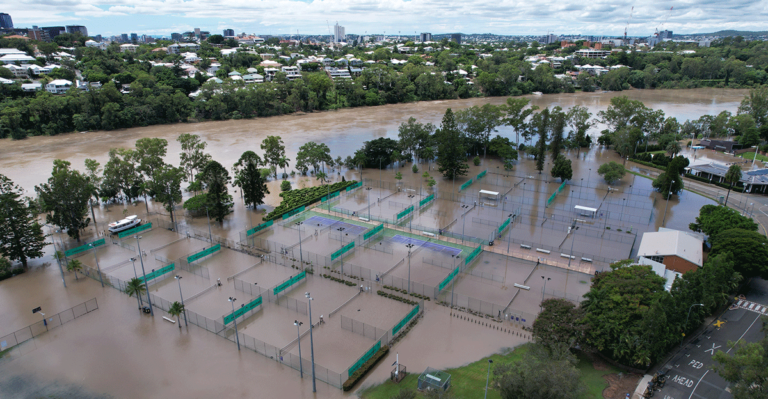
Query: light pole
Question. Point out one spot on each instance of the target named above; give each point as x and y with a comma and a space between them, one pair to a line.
544, 290
133, 263
178, 278
210, 236
590, 173
298, 332
311, 341
488, 377
623, 203
573, 239
369, 201
755, 157
101, 278
144, 274
664, 222
453, 282
409, 266
58, 260
234, 318
301, 256
686, 320
463, 223
341, 256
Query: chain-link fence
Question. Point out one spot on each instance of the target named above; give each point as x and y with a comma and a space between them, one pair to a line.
49, 323
360, 328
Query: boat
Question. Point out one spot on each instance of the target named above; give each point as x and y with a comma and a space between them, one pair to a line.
124, 224
537, 93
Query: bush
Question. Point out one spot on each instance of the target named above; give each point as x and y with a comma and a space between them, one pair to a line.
362, 371
285, 186
302, 197
415, 168
476, 161
6, 271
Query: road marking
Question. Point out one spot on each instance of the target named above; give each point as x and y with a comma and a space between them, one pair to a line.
719, 323
712, 349
729, 349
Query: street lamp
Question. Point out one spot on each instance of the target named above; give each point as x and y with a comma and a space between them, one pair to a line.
210, 236
58, 260
409, 266
686, 319
573, 239
341, 237
488, 377
453, 282
543, 290
178, 278
664, 221
101, 279
301, 256
234, 318
298, 332
143, 273
311, 341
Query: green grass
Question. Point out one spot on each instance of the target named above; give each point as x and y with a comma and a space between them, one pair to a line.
469, 381
751, 155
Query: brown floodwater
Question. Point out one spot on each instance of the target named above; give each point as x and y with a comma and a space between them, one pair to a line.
119, 352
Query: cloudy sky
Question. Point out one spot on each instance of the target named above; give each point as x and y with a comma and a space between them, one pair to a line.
599, 17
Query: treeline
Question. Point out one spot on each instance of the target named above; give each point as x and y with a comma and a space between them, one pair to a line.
153, 89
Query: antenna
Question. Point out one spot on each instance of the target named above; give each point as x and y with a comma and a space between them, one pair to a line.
628, 21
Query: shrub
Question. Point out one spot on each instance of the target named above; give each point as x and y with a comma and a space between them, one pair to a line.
362, 371
302, 197
415, 168
476, 161
285, 186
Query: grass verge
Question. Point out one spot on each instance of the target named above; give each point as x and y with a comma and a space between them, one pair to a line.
469, 381
751, 155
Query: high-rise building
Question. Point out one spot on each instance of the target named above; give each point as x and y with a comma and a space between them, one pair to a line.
456, 37
134, 37
229, 32
176, 37
5, 21
98, 38
665, 34
124, 38
77, 28
54, 31
204, 35
197, 32
38, 34
426, 37
338, 33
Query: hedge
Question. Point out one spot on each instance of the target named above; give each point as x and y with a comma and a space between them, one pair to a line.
10, 273
303, 197
362, 371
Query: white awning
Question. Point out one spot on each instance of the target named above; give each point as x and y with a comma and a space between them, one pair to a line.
585, 208
486, 192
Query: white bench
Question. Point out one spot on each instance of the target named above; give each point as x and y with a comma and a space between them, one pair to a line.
586, 260
525, 246
567, 256
170, 320
364, 219
543, 250
523, 287
428, 234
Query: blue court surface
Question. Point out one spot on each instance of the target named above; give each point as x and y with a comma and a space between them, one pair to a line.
319, 221
429, 245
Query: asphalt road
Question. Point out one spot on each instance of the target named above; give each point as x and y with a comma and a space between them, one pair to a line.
690, 373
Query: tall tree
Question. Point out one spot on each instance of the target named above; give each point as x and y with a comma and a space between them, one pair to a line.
21, 236
517, 115
451, 155
414, 136
748, 249
120, 172
756, 105
149, 155
578, 120
219, 202
541, 373
611, 172
65, 196
558, 119
253, 186
166, 185
92, 171
713, 219
274, 152
562, 168
559, 323
193, 159
541, 124
732, 176
747, 368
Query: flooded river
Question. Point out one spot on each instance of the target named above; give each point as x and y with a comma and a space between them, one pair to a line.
116, 351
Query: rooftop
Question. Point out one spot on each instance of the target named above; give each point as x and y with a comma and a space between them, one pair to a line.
668, 242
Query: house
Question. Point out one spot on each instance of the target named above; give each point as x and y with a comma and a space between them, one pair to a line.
6, 81
292, 72
58, 86
228, 52
267, 56
190, 57
234, 73
285, 58
269, 64
179, 48
129, 48
338, 73
355, 62
753, 180
590, 53
253, 78
30, 87
671, 253
720, 145
270, 73
16, 58
215, 66
98, 45
342, 62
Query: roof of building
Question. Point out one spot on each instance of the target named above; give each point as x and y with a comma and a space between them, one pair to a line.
757, 176
672, 242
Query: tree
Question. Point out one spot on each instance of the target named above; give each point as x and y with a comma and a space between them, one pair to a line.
541, 124
558, 119
611, 172
478, 123
732, 176
249, 178
414, 136
218, 201
451, 155
65, 197
74, 265
559, 322
747, 368
415, 168
312, 154
562, 168
176, 310
671, 182
285, 186
673, 148
136, 287
756, 105
714, 219
92, 170
540, 374
21, 236
274, 152
578, 120
517, 115
149, 155
120, 173
193, 159
747, 249
378, 152
166, 185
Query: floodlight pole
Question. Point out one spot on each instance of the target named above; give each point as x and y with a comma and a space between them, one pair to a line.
133, 263
210, 236
101, 278
178, 278
144, 274
488, 377
311, 340
301, 255
664, 222
234, 318
543, 290
298, 332
453, 281
573, 239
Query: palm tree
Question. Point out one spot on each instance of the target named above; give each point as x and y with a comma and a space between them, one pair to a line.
74, 266
136, 287
673, 148
176, 310
732, 176
283, 163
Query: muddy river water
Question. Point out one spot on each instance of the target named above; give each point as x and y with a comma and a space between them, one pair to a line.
118, 352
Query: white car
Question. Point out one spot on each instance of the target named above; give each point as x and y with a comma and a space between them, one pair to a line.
125, 224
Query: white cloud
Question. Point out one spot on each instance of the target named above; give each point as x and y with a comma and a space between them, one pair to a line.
358, 16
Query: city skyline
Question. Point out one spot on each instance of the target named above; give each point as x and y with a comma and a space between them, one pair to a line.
286, 17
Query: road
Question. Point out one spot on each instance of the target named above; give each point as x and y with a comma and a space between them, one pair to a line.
690, 373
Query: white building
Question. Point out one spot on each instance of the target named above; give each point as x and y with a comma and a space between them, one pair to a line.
16, 58
58, 86
98, 45
338, 73
339, 34
253, 78
126, 48
671, 253
179, 48
292, 72
30, 87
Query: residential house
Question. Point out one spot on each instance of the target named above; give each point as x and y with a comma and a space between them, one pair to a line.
190, 57
228, 52
292, 72
178, 48
14, 58
269, 73
6, 81
355, 62
31, 87
129, 48
338, 73
215, 66
98, 45
58, 86
253, 78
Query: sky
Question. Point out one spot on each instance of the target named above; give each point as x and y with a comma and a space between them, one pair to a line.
281, 17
